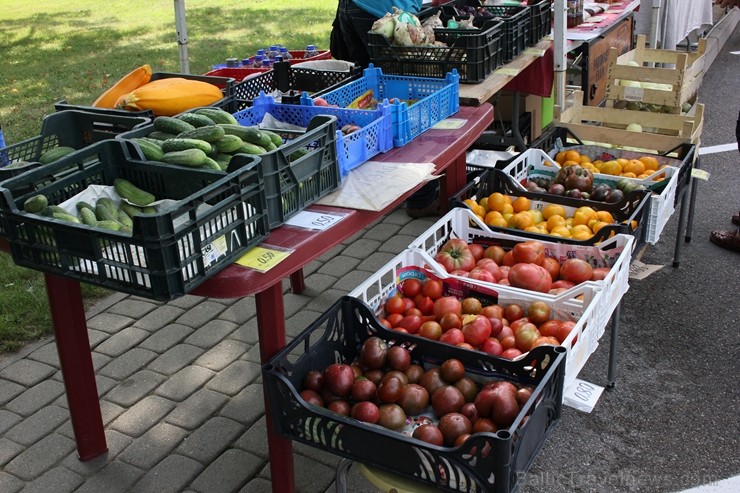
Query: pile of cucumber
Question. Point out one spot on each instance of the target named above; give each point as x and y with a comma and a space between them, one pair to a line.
204, 138
104, 213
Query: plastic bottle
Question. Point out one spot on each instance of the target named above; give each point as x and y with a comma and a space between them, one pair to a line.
258, 61
266, 63
247, 63
232, 62
274, 51
310, 51
285, 53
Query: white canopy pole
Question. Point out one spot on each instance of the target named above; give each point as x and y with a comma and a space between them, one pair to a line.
560, 51
655, 24
182, 35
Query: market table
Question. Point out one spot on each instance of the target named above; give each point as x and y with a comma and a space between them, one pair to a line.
443, 147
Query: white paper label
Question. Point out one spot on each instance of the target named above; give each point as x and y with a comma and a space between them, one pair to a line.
633, 93
582, 395
215, 250
314, 220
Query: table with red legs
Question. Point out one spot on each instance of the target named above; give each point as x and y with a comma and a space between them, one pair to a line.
443, 147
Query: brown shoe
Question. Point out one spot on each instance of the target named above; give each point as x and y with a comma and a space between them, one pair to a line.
736, 219
432, 210
728, 239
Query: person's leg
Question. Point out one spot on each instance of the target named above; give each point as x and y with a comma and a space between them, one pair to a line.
727, 238
355, 24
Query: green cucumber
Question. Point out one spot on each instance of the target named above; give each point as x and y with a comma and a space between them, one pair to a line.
228, 144
209, 134
63, 216
189, 157
210, 163
248, 148
275, 138
157, 135
127, 190
124, 218
55, 153
35, 204
151, 150
109, 224
196, 119
130, 209
217, 115
88, 216
247, 134
180, 144
171, 125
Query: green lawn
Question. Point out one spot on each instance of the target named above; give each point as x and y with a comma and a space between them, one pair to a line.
76, 49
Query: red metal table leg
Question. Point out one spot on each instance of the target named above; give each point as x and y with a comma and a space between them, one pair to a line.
271, 329
73, 345
297, 284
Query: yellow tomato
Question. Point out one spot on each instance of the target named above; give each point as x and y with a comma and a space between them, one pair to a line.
553, 210
496, 201
611, 167
554, 222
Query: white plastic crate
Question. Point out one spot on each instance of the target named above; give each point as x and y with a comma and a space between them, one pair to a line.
615, 252
581, 343
661, 206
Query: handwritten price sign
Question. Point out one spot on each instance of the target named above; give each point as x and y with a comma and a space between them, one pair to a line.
262, 259
314, 220
582, 395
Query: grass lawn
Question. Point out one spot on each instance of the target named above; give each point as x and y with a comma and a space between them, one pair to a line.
76, 49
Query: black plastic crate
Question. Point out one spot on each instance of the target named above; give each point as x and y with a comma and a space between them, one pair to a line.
634, 207
492, 462
290, 80
540, 23
475, 53
226, 84
72, 128
215, 218
516, 21
562, 137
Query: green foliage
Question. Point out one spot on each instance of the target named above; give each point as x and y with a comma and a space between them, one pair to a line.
76, 49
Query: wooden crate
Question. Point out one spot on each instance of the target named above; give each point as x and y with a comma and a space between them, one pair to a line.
685, 76
661, 132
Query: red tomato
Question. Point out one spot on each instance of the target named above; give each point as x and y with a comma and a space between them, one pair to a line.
576, 270
481, 274
386, 323
496, 253
600, 273
408, 303
455, 255
538, 312
430, 330
508, 259
493, 311
530, 276
491, 266
531, 252
394, 304
477, 250
550, 328
453, 337
450, 321
525, 337
511, 353
477, 331
445, 305
513, 312
411, 323
424, 303
552, 266
562, 284
413, 311
411, 287
543, 341
514, 326
432, 288
492, 346
394, 319
564, 331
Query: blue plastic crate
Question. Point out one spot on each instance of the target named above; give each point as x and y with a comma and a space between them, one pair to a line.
374, 137
433, 99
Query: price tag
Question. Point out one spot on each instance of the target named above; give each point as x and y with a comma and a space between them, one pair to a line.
315, 220
507, 71
633, 93
534, 52
582, 395
450, 124
214, 250
700, 174
263, 259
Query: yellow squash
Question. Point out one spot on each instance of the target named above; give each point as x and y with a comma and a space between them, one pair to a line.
170, 96
136, 78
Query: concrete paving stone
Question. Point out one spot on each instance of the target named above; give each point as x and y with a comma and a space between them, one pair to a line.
211, 333
254, 439
8, 450
232, 379
166, 337
247, 406
210, 439
36, 397
133, 307
109, 322
117, 443
128, 363
228, 472
27, 372
350, 281
247, 332
353, 239
318, 282
8, 420
153, 446
47, 353
252, 355
257, 485
239, 311
143, 415
40, 456
326, 458
36, 426
339, 266
200, 314
121, 342
54, 480
96, 337
292, 303
175, 359
183, 383
100, 360
298, 322
159, 317
129, 391
333, 252
310, 476
382, 232
196, 409
171, 475
397, 244
108, 412
222, 355
116, 477
9, 391
361, 248
9, 483
375, 261
186, 302
398, 216
418, 226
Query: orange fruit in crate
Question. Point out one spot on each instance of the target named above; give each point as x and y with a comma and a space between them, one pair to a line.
555, 221
573, 156
650, 162
521, 204
507, 209
561, 231
553, 210
629, 174
599, 224
494, 218
521, 220
570, 162
634, 166
585, 159
560, 157
611, 167
605, 216
583, 215
496, 202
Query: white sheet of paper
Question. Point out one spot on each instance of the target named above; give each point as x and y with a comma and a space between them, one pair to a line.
314, 220
582, 395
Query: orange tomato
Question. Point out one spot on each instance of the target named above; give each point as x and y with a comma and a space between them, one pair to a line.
650, 162
573, 155
634, 166
521, 204
553, 210
496, 201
